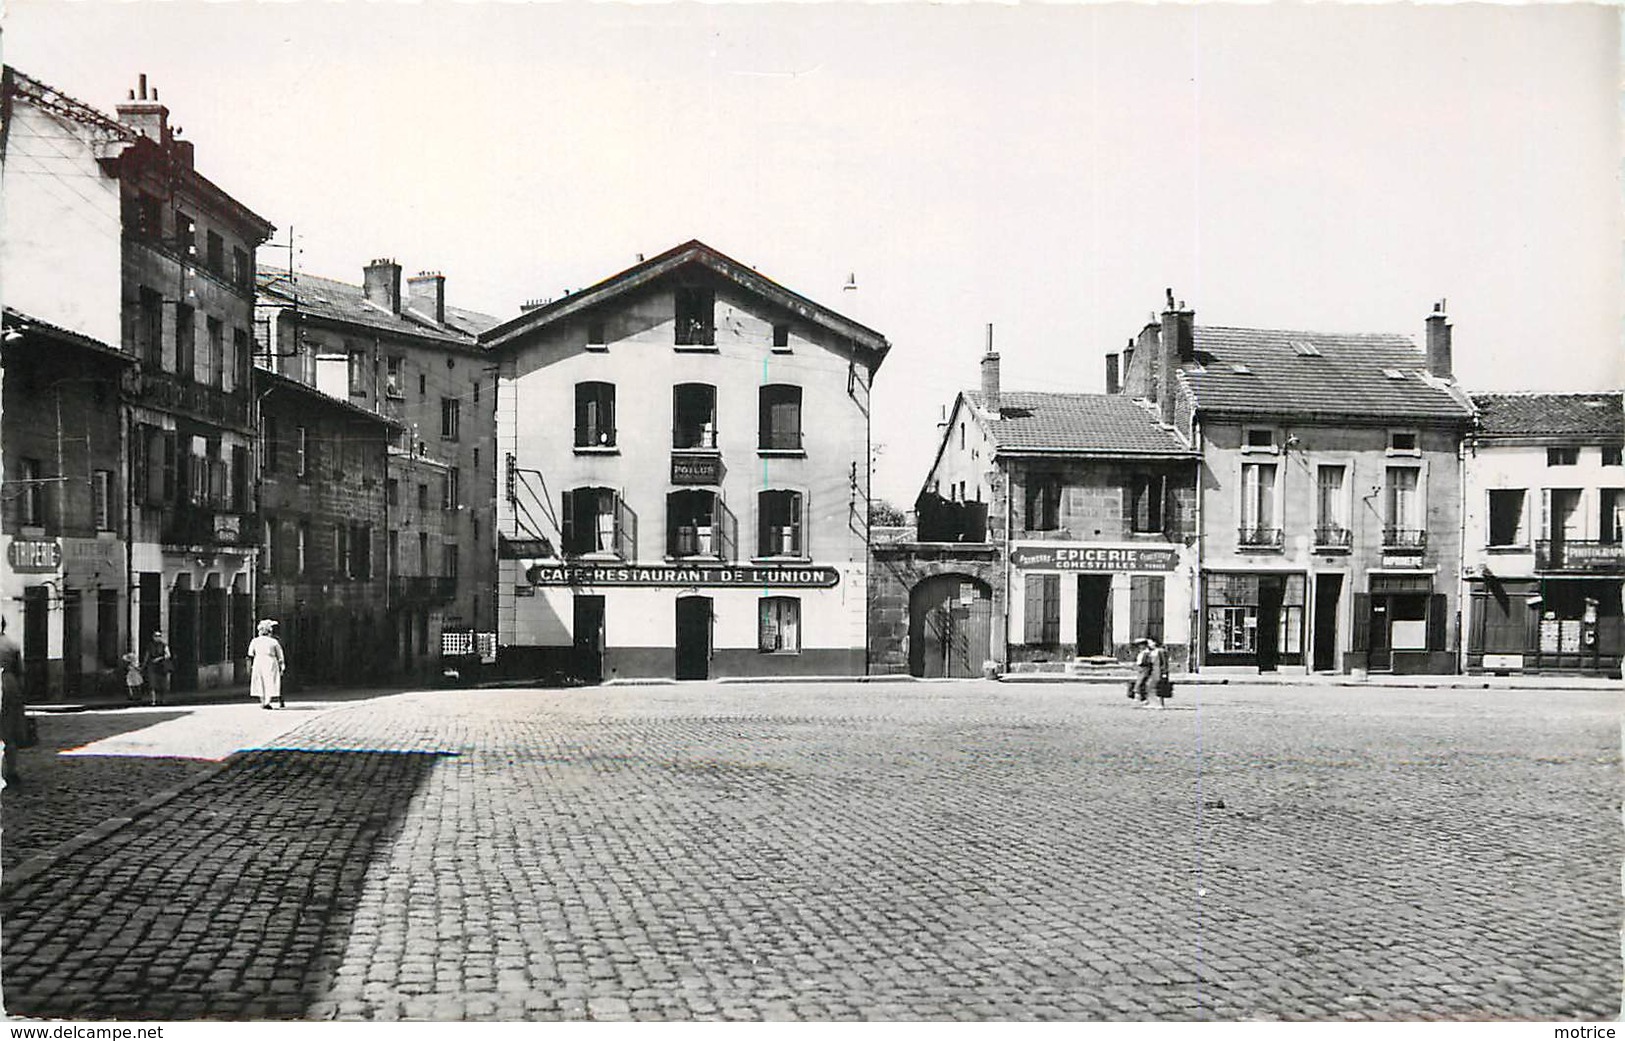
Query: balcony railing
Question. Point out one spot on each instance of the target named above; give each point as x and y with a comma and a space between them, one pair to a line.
1404, 540
211, 404
1332, 536
1580, 555
422, 589
194, 526
1259, 538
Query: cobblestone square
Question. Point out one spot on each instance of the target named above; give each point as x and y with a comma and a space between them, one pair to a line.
861, 851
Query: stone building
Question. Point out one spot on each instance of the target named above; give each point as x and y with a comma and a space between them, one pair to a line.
1329, 499
1085, 506
413, 360
1544, 554
323, 515
702, 511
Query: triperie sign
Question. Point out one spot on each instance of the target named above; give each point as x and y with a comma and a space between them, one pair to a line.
1073, 557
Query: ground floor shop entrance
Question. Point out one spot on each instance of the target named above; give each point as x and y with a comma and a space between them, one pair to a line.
693, 644
1403, 626
1094, 615
1568, 625
951, 627
588, 633
1328, 594
1254, 619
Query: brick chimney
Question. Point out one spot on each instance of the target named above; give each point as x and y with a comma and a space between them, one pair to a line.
426, 292
990, 377
1177, 343
1111, 373
382, 285
1439, 342
145, 115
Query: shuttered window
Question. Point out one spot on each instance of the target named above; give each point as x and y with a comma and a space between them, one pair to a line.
1042, 622
1146, 606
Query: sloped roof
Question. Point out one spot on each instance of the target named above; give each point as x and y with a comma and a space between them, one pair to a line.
1340, 374
1551, 415
17, 321
1076, 423
341, 301
269, 381
692, 252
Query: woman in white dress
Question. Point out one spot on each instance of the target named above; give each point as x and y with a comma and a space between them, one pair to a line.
266, 666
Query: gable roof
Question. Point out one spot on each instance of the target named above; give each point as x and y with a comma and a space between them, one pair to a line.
1596, 416
1380, 375
692, 252
1082, 424
343, 302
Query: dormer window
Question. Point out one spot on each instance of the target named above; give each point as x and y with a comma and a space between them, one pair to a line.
595, 333
781, 336
696, 318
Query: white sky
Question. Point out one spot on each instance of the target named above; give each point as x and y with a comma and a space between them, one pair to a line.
1047, 169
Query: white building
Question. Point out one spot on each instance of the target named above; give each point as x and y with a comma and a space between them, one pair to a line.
684, 463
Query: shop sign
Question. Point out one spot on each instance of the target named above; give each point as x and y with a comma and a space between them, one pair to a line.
227, 527
1072, 557
696, 469
749, 576
1403, 562
34, 556
1587, 554
522, 549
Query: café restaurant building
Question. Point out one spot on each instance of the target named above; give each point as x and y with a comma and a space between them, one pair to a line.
703, 512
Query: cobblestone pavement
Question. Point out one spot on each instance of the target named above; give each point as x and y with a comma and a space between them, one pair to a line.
896, 851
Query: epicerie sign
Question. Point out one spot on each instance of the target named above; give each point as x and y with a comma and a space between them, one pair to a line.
1095, 558
673, 575
34, 556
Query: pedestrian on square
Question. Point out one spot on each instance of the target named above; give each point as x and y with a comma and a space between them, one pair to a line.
13, 717
156, 664
1151, 672
134, 680
266, 665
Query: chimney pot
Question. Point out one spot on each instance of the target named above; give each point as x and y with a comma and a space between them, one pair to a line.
427, 293
381, 284
990, 377
1438, 342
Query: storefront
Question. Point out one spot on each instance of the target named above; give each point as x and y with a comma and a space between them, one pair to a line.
1254, 619
1088, 600
1563, 625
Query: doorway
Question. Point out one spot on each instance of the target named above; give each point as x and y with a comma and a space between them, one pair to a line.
1094, 615
182, 637
693, 637
588, 630
73, 665
1328, 592
1271, 592
36, 640
950, 619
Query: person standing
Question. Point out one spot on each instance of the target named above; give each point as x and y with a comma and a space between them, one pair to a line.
266, 665
13, 715
1151, 673
134, 680
157, 663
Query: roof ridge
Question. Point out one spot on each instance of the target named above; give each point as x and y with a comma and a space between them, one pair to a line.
1308, 332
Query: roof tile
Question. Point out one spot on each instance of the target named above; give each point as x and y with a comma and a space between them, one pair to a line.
1083, 423
1549, 415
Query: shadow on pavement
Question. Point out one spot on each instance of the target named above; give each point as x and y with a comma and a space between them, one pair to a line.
232, 901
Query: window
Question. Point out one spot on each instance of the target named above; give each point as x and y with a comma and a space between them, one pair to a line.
1258, 506
268, 548
1562, 456
1610, 515
778, 524
1611, 456
1403, 441
694, 416
423, 384
592, 522
33, 493
448, 560
1404, 530
149, 330
779, 630
781, 336
185, 235
394, 385
1041, 620
961, 437
1260, 438
423, 496
451, 414
146, 217
779, 417
301, 547
341, 551
268, 442
393, 545
392, 491
1331, 509
242, 359
361, 551
185, 352
697, 525
357, 369
1043, 497
102, 494
696, 318
452, 493
595, 333
1507, 527
301, 446
1146, 501
216, 253
241, 479
595, 415
423, 553
242, 274
214, 365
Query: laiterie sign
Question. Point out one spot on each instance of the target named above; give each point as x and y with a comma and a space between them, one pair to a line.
1071, 557
674, 575
34, 556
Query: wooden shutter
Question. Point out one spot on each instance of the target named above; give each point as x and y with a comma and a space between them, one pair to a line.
1052, 609
798, 510
1145, 606
1032, 617
764, 524
1438, 622
170, 485
567, 522
1361, 636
